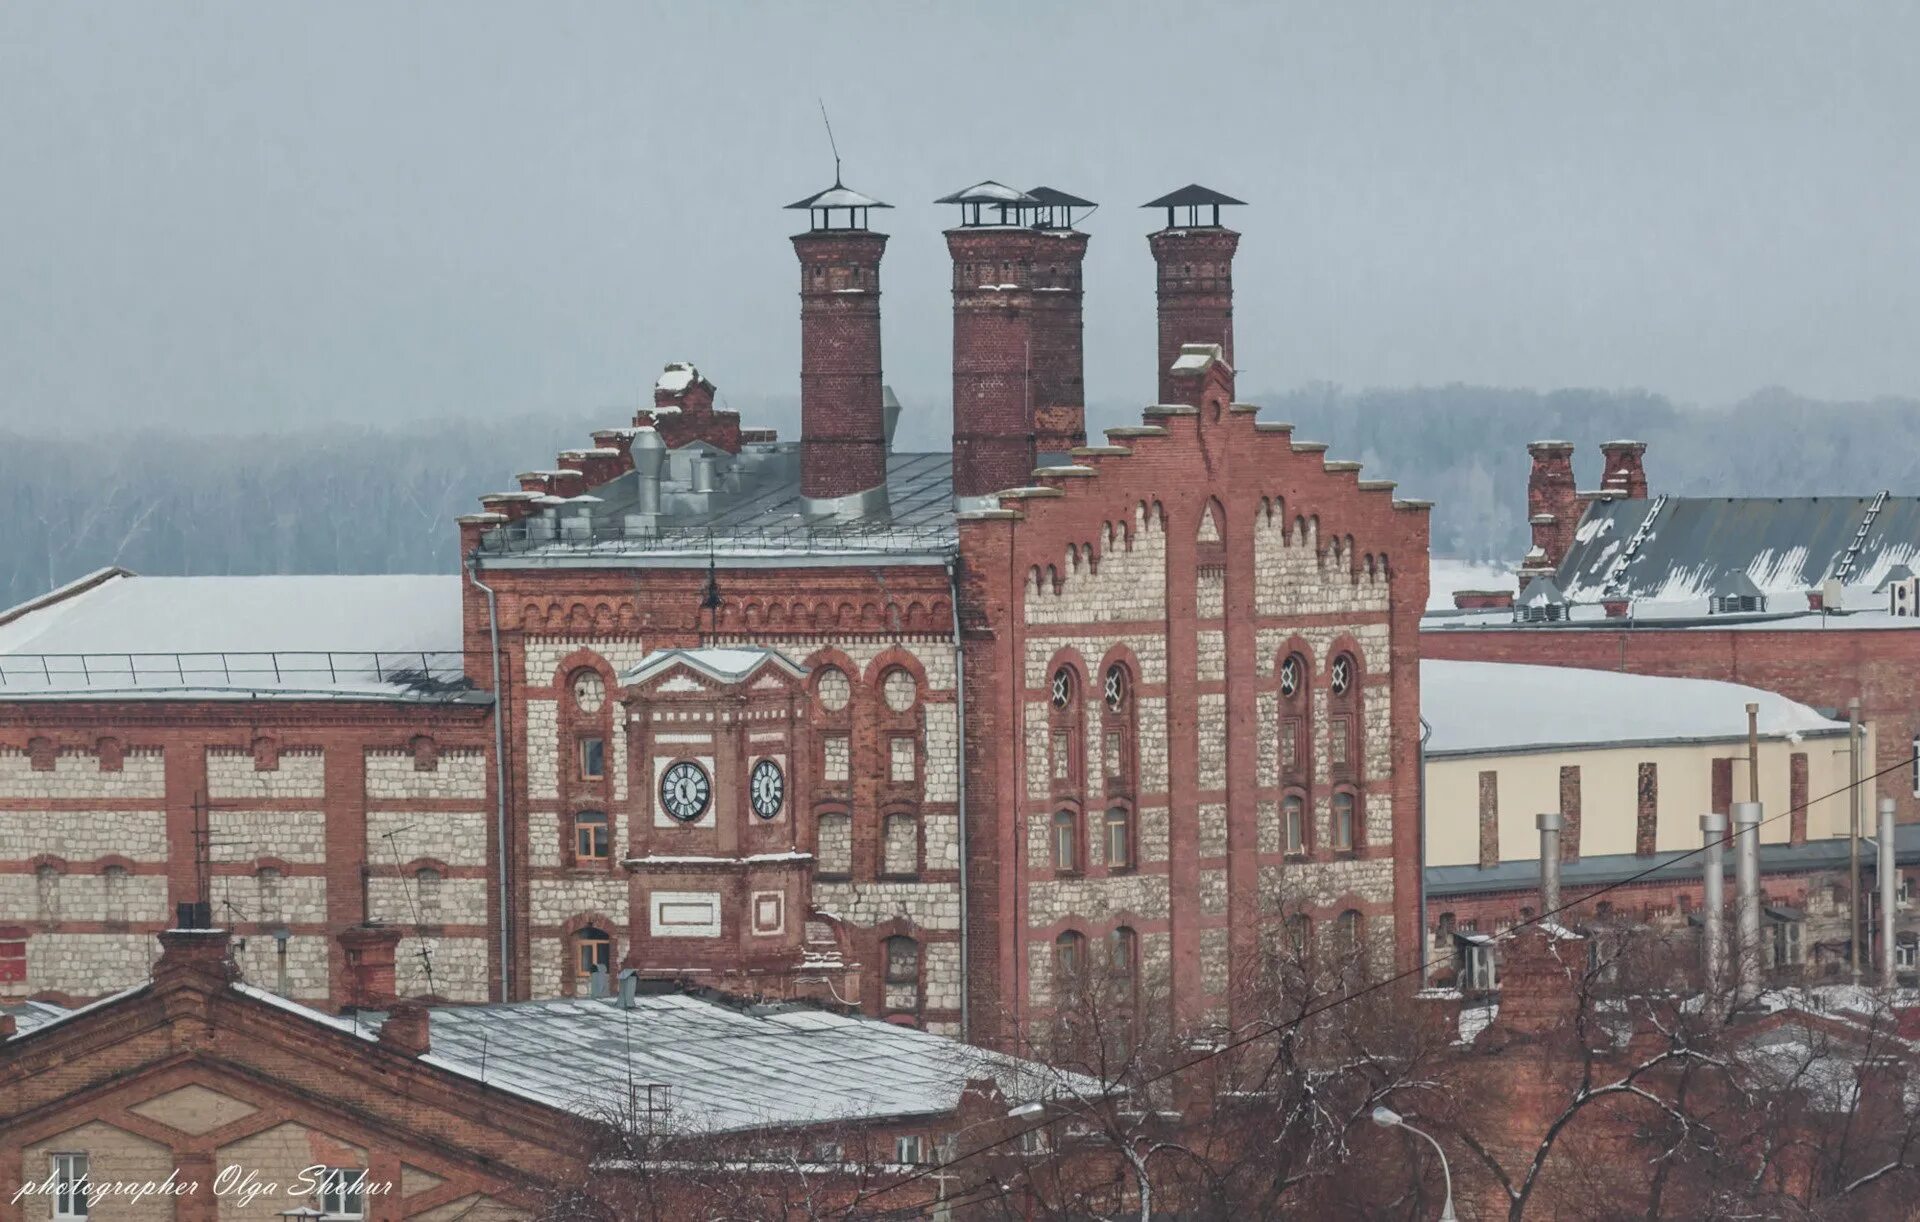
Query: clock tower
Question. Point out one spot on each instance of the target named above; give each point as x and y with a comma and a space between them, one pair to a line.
720, 858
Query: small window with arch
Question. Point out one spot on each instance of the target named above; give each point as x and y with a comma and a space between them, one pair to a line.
903, 960
1345, 820
592, 952
1066, 842
1293, 821
1119, 839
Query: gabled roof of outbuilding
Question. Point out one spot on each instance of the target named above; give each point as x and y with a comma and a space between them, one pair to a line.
1679, 549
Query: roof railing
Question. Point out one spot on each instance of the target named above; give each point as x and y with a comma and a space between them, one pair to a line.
424, 671
617, 535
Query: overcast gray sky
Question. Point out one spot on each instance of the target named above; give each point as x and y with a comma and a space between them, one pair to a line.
381, 212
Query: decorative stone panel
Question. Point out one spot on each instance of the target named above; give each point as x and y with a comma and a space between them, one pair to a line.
543, 838
1152, 712
942, 834
392, 777
901, 850
1211, 663
1213, 829
943, 975
942, 766
1139, 896
1128, 584
1213, 740
458, 838
243, 835
927, 905
544, 654
231, 774
74, 836
1213, 892
1213, 960
77, 774
542, 760
902, 759
1153, 834
836, 757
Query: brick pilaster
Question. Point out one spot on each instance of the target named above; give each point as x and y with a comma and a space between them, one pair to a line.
1570, 812
1489, 819
1646, 832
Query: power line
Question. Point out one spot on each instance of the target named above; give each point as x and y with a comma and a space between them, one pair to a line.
1417, 969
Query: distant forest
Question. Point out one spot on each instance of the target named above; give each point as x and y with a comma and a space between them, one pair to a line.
382, 501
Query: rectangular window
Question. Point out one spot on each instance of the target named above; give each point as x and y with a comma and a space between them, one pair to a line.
1296, 829
1343, 821
1066, 854
343, 1192
70, 1186
1119, 851
593, 758
13, 960
909, 1151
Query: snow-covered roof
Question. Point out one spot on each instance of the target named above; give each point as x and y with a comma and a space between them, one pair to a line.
677, 377
727, 1065
1492, 707
114, 633
723, 665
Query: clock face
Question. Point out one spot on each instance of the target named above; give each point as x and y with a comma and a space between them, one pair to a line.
769, 789
685, 791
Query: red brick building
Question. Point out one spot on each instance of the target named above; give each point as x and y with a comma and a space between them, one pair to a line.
921, 731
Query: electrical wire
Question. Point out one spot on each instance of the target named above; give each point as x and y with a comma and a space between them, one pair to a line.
1417, 969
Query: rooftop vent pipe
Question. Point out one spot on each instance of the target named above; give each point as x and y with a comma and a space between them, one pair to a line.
1884, 868
1713, 836
649, 460
1746, 867
1549, 825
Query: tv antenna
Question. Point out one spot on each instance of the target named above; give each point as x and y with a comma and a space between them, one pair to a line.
831, 143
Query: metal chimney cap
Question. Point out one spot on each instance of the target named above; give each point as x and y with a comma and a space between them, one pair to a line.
1746, 814
1713, 821
1549, 821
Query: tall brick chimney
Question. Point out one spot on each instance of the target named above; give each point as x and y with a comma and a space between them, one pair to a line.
993, 251
1552, 508
843, 446
1193, 258
1623, 474
1059, 385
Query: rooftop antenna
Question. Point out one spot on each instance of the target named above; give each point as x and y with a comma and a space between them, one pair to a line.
831, 143
710, 597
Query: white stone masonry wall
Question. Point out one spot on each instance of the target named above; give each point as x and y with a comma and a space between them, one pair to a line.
392, 777
1130, 583
543, 743
460, 968
89, 964
77, 774
943, 975
543, 655
555, 901
83, 835
258, 957
928, 905
1140, 896
243, 835
295, 900
231, 774
83, 897
459, 838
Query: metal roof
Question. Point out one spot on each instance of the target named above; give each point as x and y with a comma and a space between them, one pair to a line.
1595, 871
1059, 198
1681, 549
1193, 195
838, 196
755, 513
726, 1065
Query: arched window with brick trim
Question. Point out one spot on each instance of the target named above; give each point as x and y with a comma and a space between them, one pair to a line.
1069, 962
1066, 739
1118, 839
1295, 827
1123, 962
1348, 929
1346, 736
1119, 730
1065, 841
1294, 749
1297, 939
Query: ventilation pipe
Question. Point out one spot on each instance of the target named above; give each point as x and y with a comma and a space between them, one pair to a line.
703, 478
1713, 837
1549, 825
1883, 866
649, 461
1746, 867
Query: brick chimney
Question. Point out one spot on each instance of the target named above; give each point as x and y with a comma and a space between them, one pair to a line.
994, 355
1193, 260
1552, 507
1623, 474
683, 412
407, 1030
843, 448
195, 952
1059, 383
1540, 973
369, 968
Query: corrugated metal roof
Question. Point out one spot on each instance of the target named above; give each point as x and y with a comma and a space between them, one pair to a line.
1692, 546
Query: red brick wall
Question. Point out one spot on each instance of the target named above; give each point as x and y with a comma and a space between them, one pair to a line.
1194, 286
993, 358
842, 425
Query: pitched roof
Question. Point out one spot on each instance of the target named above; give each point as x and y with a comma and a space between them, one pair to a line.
1678, 549
1193, 195
343, 636
1478, 708
720, 665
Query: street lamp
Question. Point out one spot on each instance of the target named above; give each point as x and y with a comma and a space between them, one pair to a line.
1387, 1118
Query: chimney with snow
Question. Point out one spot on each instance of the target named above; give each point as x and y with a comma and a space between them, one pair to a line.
993, 338
1622, 473
1193, 269
843, 449
1552, 507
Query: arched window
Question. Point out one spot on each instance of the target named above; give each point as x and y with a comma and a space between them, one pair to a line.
592, 952
1293, 822
903, 961
1296, 720
592, 839
1118, 735
1069, 960
1343, 717
1066, 744
1343, 821
1346, 933
1119, 839
1066, 841
901, 846
1123, 956
1300, 936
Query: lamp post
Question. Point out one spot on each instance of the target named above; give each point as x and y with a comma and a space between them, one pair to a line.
1387, 1118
